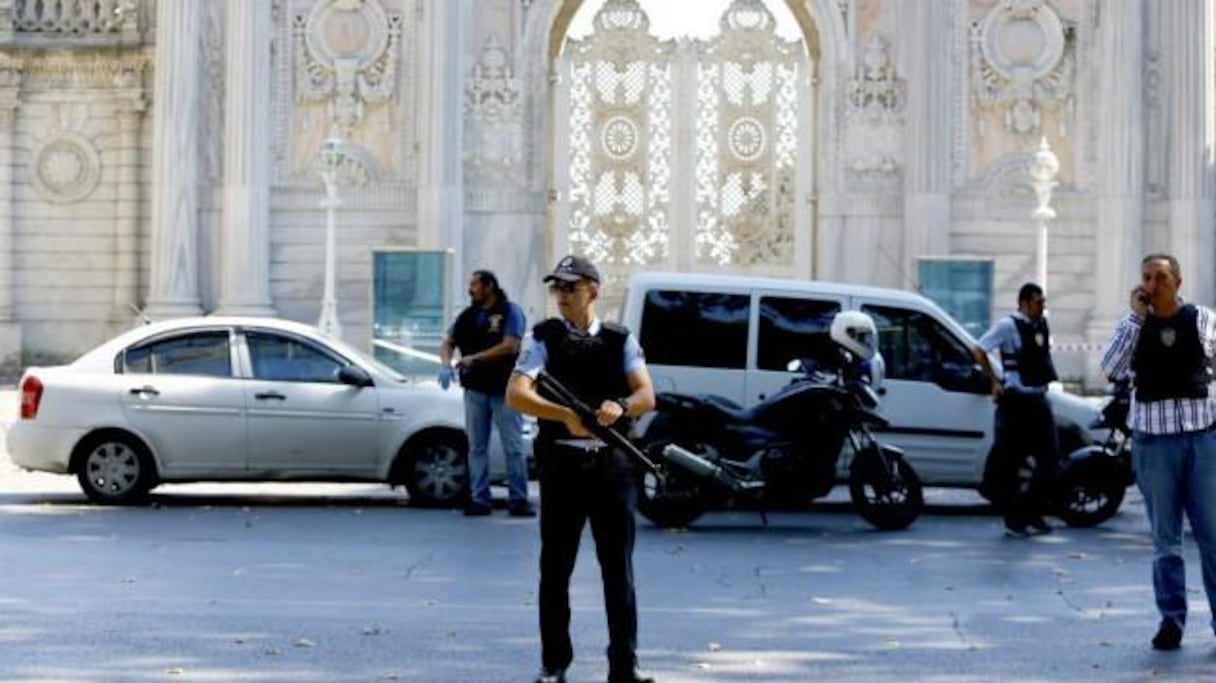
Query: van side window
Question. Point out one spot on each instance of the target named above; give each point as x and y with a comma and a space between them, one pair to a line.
913, 345
698, 329
794, 329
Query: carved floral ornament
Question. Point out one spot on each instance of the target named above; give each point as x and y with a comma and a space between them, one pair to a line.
1023, 58
346, 55
877, 96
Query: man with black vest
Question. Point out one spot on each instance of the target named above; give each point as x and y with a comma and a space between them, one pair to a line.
487, 334
1169, 346
1024, 424
581, 479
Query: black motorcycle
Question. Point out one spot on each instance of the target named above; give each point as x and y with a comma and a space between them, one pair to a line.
783, 451
1092, 480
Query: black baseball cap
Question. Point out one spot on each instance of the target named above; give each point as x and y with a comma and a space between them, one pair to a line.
572, 269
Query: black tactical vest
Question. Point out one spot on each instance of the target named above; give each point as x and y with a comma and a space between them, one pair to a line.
1033, 359
593, 367
476, 330
1169, 360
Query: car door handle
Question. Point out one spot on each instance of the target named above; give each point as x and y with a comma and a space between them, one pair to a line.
268, 395
145, 390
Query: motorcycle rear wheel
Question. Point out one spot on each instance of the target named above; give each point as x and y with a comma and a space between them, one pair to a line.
673, 499
889, 503
1089, 492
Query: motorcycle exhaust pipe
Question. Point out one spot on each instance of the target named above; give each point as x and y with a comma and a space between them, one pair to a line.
698, 466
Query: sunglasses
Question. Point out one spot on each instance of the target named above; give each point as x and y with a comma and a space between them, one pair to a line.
563, 287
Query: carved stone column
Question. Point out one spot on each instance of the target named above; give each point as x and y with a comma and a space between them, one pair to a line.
1120, 171
929, 114
126, 231
173, 290
10, 329
1187, 37
441, 183
245, 251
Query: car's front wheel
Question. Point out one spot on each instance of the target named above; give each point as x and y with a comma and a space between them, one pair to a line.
115, 469
436, 471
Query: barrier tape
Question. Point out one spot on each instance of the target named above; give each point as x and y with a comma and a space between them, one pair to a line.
1078, 346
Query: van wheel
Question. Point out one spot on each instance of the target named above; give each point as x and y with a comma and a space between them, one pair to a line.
115, 469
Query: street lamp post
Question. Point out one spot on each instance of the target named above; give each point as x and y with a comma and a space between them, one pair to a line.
330, 160
1043, 169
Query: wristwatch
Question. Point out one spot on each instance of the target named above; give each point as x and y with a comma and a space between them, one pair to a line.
624, 406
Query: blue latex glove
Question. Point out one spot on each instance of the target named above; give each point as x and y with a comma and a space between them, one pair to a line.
446, 375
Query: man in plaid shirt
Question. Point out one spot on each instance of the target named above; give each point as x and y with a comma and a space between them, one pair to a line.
1169, 345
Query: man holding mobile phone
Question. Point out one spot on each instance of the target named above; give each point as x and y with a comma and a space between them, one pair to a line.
1169, 345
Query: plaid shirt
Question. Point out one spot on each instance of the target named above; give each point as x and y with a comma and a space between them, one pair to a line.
1169, 416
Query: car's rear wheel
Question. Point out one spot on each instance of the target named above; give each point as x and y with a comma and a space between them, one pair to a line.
115, 469
436, 471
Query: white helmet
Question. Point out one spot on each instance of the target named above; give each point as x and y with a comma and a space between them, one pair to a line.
856, 333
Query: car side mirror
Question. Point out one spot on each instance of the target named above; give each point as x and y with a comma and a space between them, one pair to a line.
354, 376
963, 377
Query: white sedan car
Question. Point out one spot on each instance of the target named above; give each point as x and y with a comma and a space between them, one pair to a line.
238, 399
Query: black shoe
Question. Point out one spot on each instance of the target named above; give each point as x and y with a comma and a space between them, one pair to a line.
628, 677
1016, 531
521, 509
548, 675
477, 510
1038, 526
1169, 636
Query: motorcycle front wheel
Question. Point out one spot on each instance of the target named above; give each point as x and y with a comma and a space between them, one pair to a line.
670, 499
889, 497
1090, 491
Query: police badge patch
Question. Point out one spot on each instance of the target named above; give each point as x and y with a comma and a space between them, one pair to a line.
495, 322
1039, 339
1168, 335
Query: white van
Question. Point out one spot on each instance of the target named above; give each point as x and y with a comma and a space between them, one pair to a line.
735, 336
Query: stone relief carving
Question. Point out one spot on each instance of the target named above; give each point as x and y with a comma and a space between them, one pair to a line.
494, 119
346, 54
212, 138
875, 114
66, 168
1023, 59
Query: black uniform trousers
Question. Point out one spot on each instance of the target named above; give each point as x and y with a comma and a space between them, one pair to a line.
576, 488
1024, 426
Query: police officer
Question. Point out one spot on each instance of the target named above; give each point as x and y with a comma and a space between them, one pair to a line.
1169, 346
487, 334
1024, 423
581, 480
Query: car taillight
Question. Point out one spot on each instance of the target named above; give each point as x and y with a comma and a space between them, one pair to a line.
31, 396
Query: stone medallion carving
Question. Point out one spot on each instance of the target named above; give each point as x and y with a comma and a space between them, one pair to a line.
1023, 58
346, 56
66, 168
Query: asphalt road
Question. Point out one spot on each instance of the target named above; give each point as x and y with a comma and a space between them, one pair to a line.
348, 583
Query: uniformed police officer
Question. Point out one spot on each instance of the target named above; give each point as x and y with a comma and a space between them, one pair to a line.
487, 335
581, 480
1169, 345
1024, 423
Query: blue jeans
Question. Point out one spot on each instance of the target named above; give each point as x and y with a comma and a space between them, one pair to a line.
1176, 473
479, 409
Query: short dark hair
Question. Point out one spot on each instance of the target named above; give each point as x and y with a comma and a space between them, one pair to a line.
1168, 258
1029, 291
487, 278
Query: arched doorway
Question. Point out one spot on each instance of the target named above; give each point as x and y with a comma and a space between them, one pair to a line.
692, 154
